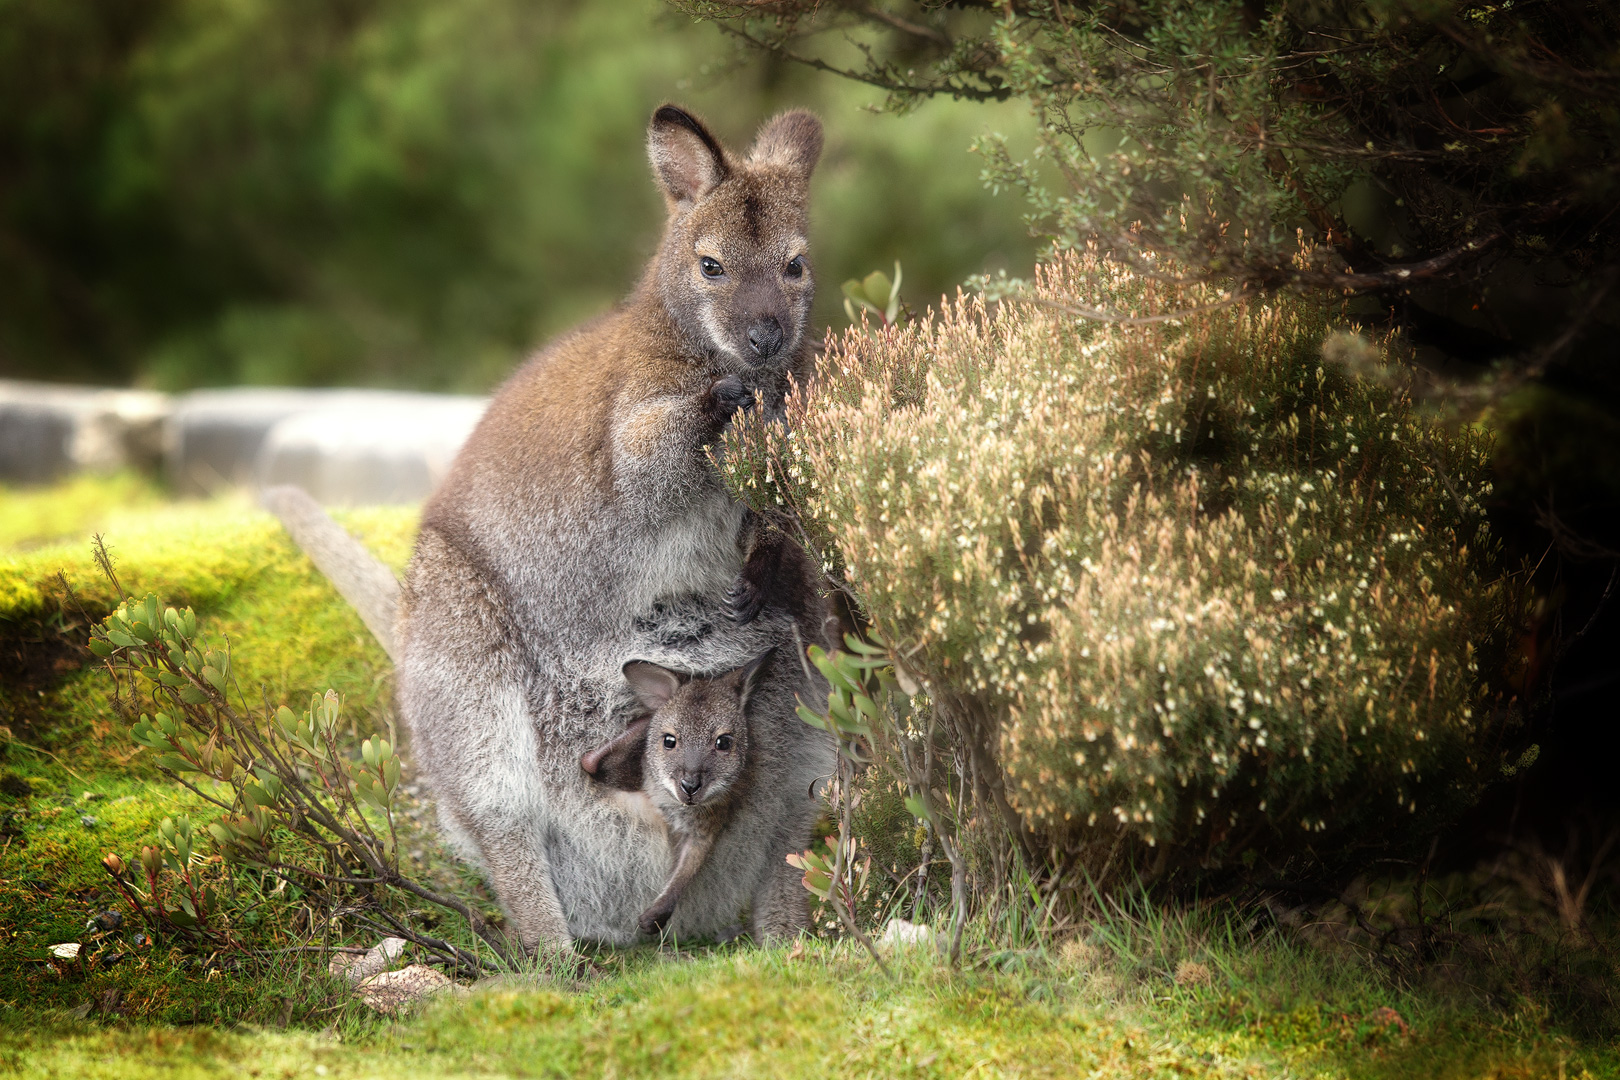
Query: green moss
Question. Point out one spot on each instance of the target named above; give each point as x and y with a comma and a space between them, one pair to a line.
291, 635
32, 517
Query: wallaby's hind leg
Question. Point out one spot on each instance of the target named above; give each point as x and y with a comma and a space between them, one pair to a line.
463, 688
514, 861
688, 859
781, 906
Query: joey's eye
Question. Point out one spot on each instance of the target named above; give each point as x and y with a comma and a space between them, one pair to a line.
710, 267
723, 744
795, 268
669, 741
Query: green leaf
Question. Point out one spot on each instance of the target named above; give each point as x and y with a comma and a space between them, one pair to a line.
877, 289
811, 718
100, 647
193, 696
866, 648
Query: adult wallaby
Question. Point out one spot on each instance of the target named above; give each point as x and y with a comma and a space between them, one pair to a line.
690, 756
583, 525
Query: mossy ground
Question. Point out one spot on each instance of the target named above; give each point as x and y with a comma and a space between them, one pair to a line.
1138, 997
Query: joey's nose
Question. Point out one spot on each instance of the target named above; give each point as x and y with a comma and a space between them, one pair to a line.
690, 784
765, 337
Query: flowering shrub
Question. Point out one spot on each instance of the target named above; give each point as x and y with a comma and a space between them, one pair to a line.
1184, 581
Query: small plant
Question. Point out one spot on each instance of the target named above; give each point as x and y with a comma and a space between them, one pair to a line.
854, 680
292, 802
870, 705
874, 293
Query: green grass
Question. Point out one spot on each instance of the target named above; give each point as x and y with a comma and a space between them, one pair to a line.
744, 1012
1144, 992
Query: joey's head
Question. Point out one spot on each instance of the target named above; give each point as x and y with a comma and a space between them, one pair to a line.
734, 268
697, 739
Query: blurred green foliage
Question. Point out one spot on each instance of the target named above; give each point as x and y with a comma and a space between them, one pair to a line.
398, 192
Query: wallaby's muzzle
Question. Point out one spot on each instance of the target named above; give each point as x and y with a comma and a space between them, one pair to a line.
765, 337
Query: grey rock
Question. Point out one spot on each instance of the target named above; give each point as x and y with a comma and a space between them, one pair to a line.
376, 451
379, 958
214, 436
47, 431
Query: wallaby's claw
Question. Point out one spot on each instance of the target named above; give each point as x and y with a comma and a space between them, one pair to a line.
744, 600
726, 396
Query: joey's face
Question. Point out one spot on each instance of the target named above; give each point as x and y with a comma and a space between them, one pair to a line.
697, 743
734, 268
697, 737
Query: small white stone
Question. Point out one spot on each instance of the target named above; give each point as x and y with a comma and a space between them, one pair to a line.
394, 992
66, 951
379, 958
900, 932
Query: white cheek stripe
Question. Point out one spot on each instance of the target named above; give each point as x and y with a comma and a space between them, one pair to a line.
711, 326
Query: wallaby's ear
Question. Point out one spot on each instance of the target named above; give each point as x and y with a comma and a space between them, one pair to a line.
749, 674
687, 160
654, 685
790, 141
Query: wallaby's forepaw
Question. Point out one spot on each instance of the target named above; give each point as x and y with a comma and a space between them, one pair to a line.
655, 918
744, 600
725, 397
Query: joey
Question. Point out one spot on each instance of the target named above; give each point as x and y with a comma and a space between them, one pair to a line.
692, 748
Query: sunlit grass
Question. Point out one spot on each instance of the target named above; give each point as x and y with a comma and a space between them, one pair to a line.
33, 516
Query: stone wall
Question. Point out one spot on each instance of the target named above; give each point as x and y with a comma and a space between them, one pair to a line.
345, 447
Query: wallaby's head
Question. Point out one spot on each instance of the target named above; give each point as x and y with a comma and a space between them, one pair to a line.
697, 739
734, 269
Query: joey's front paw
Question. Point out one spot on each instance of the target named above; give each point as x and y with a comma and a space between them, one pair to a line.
744, 600
725, 397
655, 918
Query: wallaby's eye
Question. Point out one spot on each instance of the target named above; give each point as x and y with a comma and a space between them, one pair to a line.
669, 741
723, 744
710, 267
795, 269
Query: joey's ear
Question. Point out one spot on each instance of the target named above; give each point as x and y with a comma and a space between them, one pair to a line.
686, 159
749, 674
654, 685
790, 141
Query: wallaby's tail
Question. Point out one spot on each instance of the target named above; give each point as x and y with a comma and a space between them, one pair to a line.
359, 576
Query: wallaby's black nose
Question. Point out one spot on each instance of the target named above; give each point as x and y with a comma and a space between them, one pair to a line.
689, 785
765, 337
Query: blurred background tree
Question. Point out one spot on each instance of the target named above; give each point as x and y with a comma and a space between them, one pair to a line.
402, 192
